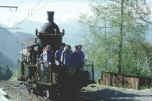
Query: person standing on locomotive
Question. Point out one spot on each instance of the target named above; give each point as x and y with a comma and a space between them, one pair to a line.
48, 55
78, 58
47, 59
58, 54
81, 54
66, 57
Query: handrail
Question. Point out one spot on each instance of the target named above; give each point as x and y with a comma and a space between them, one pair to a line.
48, 34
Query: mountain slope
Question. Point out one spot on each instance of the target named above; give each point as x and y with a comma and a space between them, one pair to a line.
5, 61
22, 35
27, 26
10, 45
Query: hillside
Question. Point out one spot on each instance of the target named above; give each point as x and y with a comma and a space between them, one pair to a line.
10, 46
4, 61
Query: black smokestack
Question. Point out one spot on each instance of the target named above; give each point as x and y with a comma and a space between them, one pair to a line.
50, 16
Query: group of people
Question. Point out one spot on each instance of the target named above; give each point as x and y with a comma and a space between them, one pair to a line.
64, 56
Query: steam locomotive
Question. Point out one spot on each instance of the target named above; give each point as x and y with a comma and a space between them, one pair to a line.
62, 84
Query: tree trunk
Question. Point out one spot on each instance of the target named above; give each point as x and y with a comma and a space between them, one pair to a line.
121, 38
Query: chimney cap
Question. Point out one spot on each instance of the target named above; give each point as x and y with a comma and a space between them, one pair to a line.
50, 16
50, 12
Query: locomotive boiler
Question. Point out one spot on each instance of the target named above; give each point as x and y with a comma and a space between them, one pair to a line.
62, 84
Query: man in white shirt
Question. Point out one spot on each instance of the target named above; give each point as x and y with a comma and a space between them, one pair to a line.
47, 59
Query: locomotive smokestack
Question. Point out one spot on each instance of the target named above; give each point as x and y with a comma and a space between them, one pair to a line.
50, 16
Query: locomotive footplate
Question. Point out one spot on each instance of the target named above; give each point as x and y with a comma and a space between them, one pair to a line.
42, 88
47, 84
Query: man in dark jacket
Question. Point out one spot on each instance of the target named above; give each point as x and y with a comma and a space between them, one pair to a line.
78, 57
58, 54
66, 57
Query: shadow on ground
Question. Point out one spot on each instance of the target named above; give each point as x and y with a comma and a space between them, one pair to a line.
112, 95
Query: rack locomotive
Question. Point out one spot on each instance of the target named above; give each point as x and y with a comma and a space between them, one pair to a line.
62, 84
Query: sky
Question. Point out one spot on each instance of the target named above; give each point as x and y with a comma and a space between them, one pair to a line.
35, 10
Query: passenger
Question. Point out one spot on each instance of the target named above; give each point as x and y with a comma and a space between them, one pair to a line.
78, 57
69, 48
47, 59
66, 56
47, 56
41, 55
81, 54
58, 54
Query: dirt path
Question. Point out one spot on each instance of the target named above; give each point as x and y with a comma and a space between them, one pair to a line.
101, 93
16, 91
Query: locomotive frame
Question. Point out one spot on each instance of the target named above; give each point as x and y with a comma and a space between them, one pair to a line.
62, 84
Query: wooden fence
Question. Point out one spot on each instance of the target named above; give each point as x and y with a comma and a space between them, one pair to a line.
127, 81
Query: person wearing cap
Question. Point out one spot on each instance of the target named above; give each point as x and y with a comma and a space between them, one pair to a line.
78, 57
66, 57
